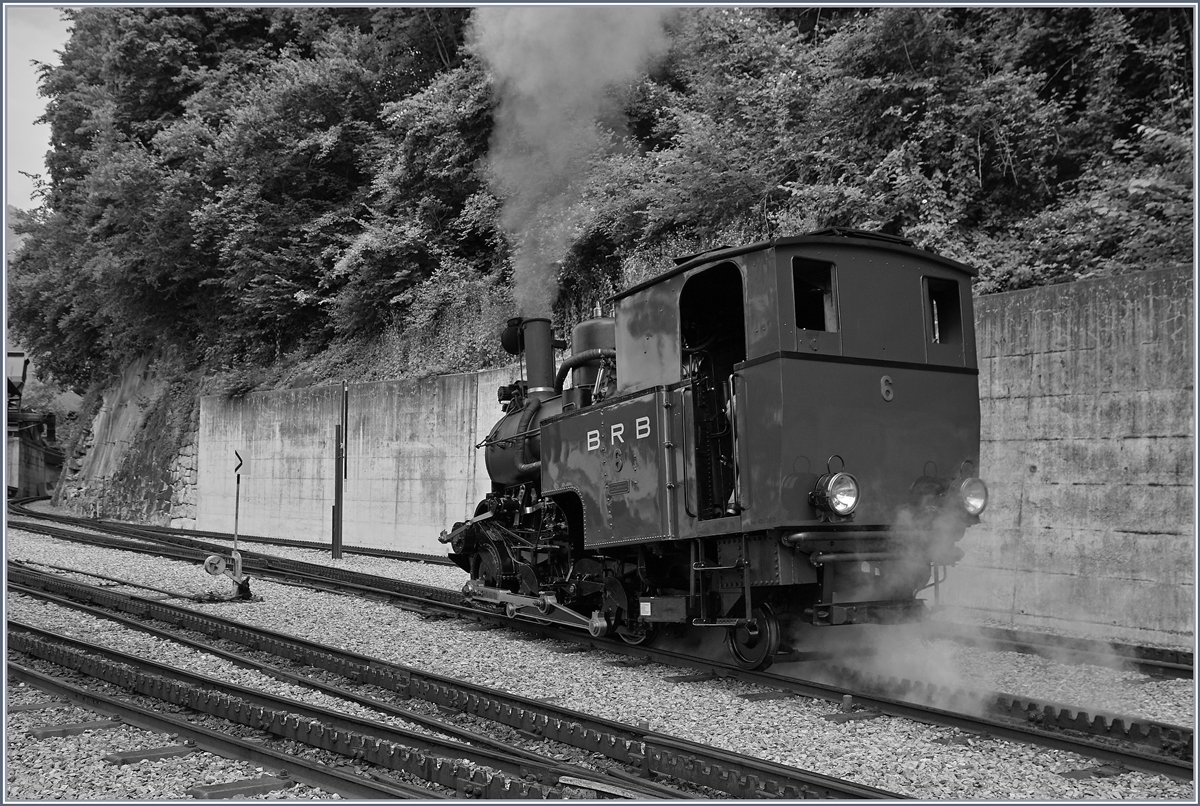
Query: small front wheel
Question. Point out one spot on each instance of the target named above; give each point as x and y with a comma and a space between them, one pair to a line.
755, 649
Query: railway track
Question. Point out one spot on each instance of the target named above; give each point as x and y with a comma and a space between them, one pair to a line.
21, 507
1133, 743
641, 750
114, 709
1152, 661
494, 771
1148, 660
255, 563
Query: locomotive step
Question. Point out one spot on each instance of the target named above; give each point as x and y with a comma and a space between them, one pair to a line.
720, 622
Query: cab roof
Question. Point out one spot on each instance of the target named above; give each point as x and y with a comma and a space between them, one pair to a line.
833, 235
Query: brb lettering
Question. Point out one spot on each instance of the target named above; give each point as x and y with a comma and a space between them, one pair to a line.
641, 430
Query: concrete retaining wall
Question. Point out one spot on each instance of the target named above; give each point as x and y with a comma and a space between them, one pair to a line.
1087, 404
1086, 395
412, 468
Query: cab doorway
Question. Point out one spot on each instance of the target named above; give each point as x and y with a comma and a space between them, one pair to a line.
713, 334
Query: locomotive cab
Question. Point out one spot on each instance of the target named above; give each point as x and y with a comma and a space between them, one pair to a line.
786, 431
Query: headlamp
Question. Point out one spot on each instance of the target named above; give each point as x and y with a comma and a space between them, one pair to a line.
837, 493
971, 492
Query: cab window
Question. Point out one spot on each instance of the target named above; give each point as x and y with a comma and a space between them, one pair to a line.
943, 314
816, 306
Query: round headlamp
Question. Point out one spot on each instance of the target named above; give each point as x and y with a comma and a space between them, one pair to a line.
837, 493
972, 493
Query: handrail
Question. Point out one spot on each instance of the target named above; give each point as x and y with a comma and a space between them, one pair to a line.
669, 463
733, 430
688, 437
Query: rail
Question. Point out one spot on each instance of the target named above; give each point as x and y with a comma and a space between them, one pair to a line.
734, 774
1143, 745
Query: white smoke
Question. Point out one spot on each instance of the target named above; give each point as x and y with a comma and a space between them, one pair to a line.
553, 69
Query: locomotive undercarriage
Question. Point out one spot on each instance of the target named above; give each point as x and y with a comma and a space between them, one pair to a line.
523, 555
526, 556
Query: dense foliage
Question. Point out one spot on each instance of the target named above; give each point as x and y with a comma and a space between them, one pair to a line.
259, 186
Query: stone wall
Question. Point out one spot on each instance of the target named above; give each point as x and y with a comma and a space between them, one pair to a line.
1086, 395
184, 480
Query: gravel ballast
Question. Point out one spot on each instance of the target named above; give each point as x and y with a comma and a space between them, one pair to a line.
71, 768
909, 758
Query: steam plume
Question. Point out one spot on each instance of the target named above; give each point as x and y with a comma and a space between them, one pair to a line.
553, 68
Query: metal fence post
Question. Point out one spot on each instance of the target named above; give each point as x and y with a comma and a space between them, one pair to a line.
337, 491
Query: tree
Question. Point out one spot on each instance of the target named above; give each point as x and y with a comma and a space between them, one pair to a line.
426, 207
257, 184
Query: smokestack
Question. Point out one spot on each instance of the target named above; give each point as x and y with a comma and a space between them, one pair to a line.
539, 357
553, 69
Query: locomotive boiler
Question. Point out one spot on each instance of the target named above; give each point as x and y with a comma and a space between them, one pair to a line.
779, 432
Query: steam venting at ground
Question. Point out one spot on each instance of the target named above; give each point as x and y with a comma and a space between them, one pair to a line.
555, 70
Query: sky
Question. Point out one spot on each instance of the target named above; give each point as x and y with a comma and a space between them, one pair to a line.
30, 33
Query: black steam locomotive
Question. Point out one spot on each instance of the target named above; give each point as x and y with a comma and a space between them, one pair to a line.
782, 431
